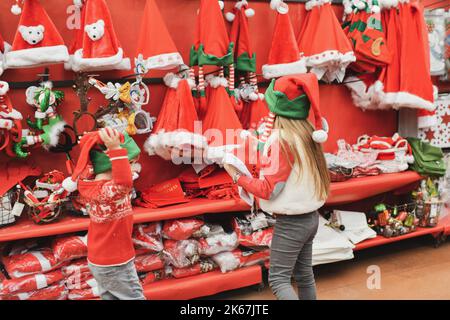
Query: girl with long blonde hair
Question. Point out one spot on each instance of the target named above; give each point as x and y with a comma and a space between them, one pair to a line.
293, 183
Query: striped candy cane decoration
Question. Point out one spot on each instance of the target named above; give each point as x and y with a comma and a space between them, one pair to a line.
231, 78
201, 79
268, 126
192, 74
221, 74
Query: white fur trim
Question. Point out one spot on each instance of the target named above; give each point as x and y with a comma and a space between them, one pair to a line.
158, 144
274, 4
315, 3
216, 82
96, 64
14, 114
330, 57
230, 16
55, 132
221, 4
78, 3
69, 185
240, 4
284, 69
407, 100
164, 61
171, 80
36, 56
4, 87
427, 121
320, 136
6, 124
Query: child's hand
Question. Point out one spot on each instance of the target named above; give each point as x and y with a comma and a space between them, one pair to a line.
111, 138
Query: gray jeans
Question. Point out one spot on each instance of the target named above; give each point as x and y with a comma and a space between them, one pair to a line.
118, 282
291, 255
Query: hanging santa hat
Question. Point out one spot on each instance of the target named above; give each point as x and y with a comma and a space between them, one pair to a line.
220, 115
92, 151
96, 46
244, 56
284, 56
37, 40
293, 96
175, 127
155, 43
214, 46
327, 49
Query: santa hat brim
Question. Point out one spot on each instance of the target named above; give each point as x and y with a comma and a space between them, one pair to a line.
164, 61
284, 69
36, 56
176, 139
115, 62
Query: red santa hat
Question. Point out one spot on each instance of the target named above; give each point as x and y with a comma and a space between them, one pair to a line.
175, 127
37, 40
220, 115
284, 56
327, 49
11, 173
96, 45
155, 43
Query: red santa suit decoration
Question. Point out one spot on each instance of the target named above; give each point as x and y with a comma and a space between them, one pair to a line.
37, 40
10, 121
327, 50
155, 43
284, 56
96, 46
4, 48
405, 82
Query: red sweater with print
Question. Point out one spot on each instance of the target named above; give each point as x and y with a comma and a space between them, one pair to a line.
108, 203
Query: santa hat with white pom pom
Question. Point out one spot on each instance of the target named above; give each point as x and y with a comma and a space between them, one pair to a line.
37, 40
284, 56
293, 96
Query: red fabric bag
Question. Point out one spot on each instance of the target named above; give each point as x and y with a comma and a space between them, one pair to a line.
148, 237
181, 254
30, 283
150, 262
70, 248
163, 194
181, 229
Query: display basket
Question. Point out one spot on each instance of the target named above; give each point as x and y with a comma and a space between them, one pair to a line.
7, 202
428, 212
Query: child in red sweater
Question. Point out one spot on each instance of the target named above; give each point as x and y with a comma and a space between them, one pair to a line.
108, 201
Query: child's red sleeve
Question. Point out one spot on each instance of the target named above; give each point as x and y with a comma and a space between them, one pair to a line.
275, 171
121, 169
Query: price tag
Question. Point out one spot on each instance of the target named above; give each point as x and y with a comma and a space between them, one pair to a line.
17, 209
433, 210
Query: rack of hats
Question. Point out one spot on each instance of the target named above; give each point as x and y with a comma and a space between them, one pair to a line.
221, 86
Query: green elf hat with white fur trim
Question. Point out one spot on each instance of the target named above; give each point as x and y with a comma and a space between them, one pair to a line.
293, 96
37, 40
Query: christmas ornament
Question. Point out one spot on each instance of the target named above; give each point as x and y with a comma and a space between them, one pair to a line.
37, 40
10, 121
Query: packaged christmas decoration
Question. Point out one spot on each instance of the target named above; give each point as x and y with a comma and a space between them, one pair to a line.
75, 267
218, 243
70, 248
80, 280
229, 261
162, 194
153, 276
54, 292
429, 202
37, 261
181, 254
83, 294
203, 266
208, 230
181, 229
393, 221
254, 230
30, 283
150, 262
148, 237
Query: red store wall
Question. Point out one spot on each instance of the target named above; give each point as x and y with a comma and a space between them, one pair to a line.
346, 120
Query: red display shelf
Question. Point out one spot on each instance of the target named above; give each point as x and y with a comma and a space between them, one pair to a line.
203, 285
380, 240
25, 228
357, 189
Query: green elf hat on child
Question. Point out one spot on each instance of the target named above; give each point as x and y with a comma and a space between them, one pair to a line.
293, 97
93, 151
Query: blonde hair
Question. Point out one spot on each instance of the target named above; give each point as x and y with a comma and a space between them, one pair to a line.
298, 133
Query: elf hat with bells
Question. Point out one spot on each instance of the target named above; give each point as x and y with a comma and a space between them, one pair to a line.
293, 96
93, 151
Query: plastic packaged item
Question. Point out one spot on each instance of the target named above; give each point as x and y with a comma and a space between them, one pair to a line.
79, 266
70, 248
229, 261
149, 262
181, 229
30, 283
181, 254
38, 261
203, 266
83, 294
148, 237
153, 276
218, 243
254, 230
54, 292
